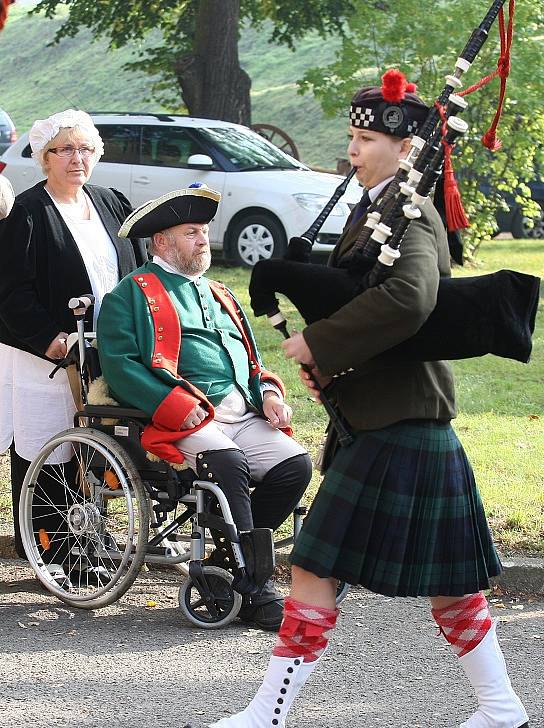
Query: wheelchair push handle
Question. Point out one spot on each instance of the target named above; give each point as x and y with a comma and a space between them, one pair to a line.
80, 305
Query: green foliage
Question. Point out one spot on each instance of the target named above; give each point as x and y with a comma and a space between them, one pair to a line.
423, 39
109, 87
172, 25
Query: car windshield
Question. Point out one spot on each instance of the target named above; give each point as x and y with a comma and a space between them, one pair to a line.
246, 150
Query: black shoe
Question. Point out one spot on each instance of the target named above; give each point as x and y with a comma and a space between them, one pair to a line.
263, 610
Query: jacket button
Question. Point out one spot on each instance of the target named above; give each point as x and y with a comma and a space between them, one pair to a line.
156, 308
140, 278
151, 300
161, 328
160, 338
144, 284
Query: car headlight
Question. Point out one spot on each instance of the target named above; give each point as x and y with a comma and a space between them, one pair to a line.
315, 203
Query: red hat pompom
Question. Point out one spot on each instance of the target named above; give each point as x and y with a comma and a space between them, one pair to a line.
393, 86
411, 88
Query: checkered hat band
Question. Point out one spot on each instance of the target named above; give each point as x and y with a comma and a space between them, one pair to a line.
465, 623
361, 116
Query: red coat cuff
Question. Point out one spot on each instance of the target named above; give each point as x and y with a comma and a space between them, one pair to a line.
175, 407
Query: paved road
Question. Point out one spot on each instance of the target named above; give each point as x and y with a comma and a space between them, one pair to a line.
128, 665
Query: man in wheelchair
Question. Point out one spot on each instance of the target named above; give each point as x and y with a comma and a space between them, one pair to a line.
179, 347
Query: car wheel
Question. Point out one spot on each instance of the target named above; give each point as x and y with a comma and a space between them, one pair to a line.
256, 237
521, 229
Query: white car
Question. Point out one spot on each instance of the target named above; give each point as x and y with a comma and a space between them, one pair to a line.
267, 195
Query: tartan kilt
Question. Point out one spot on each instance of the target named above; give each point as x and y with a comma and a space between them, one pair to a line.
399, 513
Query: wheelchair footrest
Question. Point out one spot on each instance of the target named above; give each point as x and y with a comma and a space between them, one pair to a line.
258, 548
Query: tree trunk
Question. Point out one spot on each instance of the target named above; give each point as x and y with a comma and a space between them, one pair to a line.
212, 83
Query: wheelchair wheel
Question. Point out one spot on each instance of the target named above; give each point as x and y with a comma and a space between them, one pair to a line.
341, 592
84, 517
225, 605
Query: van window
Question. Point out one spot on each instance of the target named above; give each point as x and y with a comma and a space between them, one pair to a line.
120, 143
168, 146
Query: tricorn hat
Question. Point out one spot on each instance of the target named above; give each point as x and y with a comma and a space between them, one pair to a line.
196, 204
394, 108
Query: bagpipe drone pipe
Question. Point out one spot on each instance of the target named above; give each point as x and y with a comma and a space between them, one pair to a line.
473, 316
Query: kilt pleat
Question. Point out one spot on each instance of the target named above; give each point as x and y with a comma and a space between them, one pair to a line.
399, 512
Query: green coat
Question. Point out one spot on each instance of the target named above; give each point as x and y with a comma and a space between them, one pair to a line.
372, 389
139, 343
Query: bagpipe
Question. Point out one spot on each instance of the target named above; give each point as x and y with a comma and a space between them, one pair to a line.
473, 316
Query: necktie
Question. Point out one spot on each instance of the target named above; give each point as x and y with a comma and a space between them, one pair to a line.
360, 208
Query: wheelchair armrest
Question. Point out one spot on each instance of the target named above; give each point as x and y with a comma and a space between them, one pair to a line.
99, 410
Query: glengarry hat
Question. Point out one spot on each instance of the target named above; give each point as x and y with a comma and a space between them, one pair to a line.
392, 108
196, 203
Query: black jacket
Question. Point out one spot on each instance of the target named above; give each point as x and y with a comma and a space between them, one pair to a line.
41, 267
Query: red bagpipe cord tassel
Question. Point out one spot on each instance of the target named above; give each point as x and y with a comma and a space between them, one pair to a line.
4, 11
456, 217
490, 139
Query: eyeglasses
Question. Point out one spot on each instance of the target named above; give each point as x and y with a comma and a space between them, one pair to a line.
66, 152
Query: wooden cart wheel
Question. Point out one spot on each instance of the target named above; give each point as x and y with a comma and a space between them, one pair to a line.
278, 137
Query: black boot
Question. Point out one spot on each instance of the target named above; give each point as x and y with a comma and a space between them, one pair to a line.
263, 610
275, 497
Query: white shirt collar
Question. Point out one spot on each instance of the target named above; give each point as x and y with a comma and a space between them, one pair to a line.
374, 192
170, 268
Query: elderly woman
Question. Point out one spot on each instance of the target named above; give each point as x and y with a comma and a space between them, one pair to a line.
59, 241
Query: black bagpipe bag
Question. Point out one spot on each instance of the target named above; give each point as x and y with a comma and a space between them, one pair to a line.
473, 316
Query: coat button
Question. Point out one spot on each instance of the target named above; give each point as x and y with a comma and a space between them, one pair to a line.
161, 328
144, 284
151, 300
160, 338
140, 278
156, 308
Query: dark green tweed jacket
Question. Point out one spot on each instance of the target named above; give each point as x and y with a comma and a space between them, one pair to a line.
381, 389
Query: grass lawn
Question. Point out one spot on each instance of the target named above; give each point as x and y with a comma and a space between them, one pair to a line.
500, 403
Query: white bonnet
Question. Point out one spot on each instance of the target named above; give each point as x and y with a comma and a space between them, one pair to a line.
7, 196
43, 130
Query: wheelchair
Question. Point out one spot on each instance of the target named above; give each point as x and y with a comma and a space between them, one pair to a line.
116, 510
